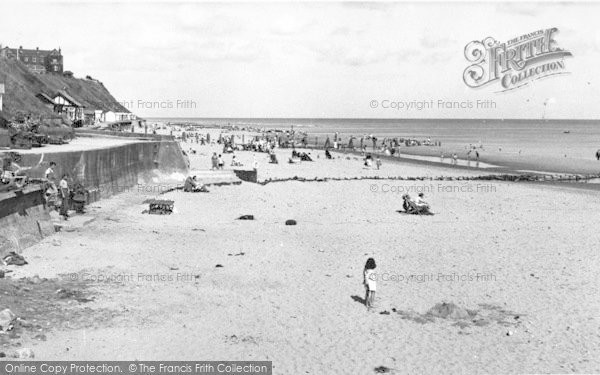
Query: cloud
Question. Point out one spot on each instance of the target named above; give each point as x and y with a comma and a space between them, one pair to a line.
374, 6
522, 9
431, 41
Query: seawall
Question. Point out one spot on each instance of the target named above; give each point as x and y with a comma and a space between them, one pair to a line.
109, 170
24, 220
103, 172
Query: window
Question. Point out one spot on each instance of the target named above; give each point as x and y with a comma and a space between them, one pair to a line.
34, 59
56, 68
26, 59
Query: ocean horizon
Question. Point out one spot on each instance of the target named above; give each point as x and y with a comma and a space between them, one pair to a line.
549, 137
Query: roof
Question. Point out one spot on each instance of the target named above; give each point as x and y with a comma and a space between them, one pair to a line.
29, 50
45, 97
65, 95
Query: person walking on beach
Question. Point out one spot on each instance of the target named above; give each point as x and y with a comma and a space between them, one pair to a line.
220, 162
51, 189
64, 194
50, 177
215, 161
370, 282
454, 159
378, 163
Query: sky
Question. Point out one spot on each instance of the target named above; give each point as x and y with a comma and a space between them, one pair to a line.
310, 60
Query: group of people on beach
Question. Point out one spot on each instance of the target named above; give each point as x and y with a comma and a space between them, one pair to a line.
368, 161
58, 194
389, 145
217, 161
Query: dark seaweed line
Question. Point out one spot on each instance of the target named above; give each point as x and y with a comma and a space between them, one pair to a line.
492, 177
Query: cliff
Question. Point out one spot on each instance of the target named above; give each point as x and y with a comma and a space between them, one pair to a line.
22, 86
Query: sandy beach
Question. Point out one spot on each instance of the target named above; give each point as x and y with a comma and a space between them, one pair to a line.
521, 258
288, 188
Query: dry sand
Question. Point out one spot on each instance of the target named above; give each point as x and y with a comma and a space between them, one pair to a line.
292, 294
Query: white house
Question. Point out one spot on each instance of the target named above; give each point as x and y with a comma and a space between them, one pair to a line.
1, 94
65, 103
111, 116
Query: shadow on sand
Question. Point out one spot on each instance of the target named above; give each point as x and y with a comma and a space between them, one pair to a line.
358, 299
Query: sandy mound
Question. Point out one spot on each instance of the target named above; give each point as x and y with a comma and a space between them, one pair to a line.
448, 311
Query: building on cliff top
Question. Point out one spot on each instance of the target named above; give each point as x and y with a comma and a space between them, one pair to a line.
37, 60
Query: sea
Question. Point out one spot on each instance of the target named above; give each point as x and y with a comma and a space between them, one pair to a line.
579, 139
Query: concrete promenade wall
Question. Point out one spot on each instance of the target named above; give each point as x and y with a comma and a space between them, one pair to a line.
83, 132
104, 172
111, 170
24, 220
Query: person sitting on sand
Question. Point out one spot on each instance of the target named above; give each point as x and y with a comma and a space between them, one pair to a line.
235, 162
406, 202
328, 154
188, 185
191, 185
420, 202
370, 282
305, 157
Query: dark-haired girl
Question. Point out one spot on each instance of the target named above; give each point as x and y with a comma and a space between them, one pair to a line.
370, 282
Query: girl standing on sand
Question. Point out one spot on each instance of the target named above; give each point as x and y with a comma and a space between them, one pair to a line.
369, 281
